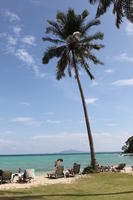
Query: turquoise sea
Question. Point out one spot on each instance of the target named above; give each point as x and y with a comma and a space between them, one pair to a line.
45, 162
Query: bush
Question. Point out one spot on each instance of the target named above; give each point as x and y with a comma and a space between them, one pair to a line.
88, 170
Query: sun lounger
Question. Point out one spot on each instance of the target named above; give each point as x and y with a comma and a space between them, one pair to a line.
75, 170
28, 176
58, 173
120, 167
105, 168
5, 176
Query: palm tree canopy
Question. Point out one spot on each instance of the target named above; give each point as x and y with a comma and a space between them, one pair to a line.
69, 34
120, 7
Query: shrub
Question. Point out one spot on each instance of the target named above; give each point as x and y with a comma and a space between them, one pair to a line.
88, 170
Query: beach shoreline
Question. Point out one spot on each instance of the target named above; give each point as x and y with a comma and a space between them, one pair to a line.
42, 180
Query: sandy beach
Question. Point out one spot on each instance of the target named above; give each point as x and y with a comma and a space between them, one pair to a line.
41, 179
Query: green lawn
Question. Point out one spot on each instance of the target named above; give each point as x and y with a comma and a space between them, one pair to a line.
95, 187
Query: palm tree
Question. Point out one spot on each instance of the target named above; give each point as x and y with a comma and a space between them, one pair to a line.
120, 7
72, 47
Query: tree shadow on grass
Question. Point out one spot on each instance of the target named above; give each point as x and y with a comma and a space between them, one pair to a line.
43, 196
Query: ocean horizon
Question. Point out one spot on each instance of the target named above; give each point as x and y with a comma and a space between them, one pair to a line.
57, 153
45, 162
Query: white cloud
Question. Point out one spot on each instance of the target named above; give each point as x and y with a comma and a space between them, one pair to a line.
129, 28
13, 17
25, 103
58, 136
42, 75
39, 142
29, 39
111, 141
82, 121
111, 124
23, 55
37, 71
91, 100
22, 119
81, 73
124, 57
79, 141
124, 82
17, 30
26, 121
10, 49
12, 40
53, 121
62, 141
26, 57
94, 83
5, 132
109, 71
5, 142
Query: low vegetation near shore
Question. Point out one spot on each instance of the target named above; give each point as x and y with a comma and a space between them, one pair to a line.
103, 186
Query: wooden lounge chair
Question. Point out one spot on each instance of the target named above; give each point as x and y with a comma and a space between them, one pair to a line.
58, 173
75, 170
6, 176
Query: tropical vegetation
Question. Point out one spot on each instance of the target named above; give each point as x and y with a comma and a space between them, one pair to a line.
128, 147
121, 8
73, 47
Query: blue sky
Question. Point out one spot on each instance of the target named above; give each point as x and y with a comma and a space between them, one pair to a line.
41, 115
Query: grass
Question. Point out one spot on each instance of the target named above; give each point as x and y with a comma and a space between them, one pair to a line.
104, 186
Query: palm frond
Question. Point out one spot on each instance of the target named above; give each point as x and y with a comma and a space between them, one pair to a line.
94, 1
94, 59
94, 22
118, 9
96, 36
103, 6
73, 23
54, 28
122, 8
94, 46
84, 14
54, 32
52, 52
49, 39
62, 64
85, 65
61, 17
128, 9
69, 65
54, 24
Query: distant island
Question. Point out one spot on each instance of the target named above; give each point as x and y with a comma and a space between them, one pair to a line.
72, 151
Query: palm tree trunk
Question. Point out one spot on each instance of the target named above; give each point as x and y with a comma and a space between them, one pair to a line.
93, 160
